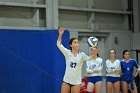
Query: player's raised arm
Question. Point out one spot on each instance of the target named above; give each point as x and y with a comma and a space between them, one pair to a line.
61, 31
60, 46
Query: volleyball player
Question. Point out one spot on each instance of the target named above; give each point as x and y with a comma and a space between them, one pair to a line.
127, 78
74, 61
113, 69
94, 67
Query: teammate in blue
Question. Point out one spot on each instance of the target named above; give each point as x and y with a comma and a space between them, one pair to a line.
113, 69
74, 61
94, 68
128, 73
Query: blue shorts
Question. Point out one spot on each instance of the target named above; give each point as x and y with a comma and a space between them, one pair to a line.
94, 79
127, 80
122, 79
112, 79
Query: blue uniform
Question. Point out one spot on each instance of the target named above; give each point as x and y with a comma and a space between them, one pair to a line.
127, 70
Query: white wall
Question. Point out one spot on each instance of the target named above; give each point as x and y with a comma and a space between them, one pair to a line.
25, 1
136, 44
27, 17
108, 4
77, 3
110, 21
73, 19
136, 41
124, 42
104, 21
100, 4
13, 16
24, 17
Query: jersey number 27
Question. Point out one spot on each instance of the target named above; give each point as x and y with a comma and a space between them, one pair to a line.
73, 65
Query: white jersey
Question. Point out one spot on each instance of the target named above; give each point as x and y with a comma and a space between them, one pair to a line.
94, 65
73, 65
111, 67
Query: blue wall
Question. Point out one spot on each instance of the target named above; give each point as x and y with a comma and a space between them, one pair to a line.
30, 61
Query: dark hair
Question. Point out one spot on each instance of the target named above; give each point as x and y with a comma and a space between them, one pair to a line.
70, 42
113, 50
125, 52
97, 54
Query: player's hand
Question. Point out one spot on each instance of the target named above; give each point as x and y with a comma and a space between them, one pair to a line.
96, 71
61, 30
118, 71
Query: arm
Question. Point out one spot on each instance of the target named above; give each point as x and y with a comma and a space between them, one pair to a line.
61, 31
136, 73
107, 67
136, 64
84, 56
137, 70
118, 69
89, 71
99, 68
59, 40
109, 71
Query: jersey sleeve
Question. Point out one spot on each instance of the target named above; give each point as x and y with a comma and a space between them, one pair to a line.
108, 70
135, 64
100, 65
107, 66
62, 48
88, 68
121, 62
84, 56
118, 64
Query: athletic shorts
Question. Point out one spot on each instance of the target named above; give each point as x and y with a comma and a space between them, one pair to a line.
128, 80
94, 79
112, 79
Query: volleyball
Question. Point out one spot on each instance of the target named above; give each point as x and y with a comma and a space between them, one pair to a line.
92, 41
